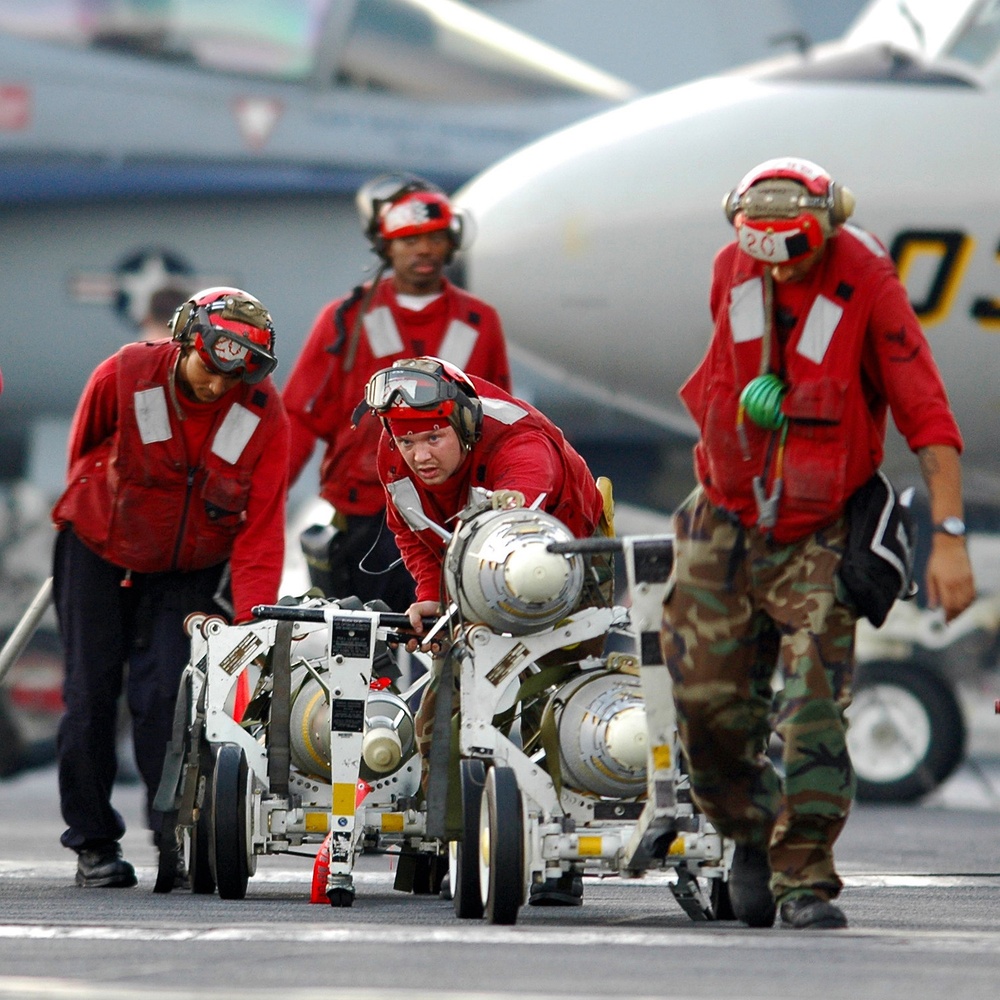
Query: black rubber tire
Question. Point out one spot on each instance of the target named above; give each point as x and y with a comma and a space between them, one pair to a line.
501, 881
229, 822
887, 697
466, 896
340, 898
200, 848
722, 907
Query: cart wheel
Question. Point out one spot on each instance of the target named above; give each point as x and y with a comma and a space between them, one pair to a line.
464, 854
200, 848
722, 907
501, 857
340, 897
230, 821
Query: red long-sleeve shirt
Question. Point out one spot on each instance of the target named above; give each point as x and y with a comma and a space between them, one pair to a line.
257, 553
320, 396
523, 451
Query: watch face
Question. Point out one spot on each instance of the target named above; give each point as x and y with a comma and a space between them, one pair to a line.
953, 526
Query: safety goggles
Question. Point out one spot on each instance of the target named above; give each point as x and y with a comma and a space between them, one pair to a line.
411, 387
229, 352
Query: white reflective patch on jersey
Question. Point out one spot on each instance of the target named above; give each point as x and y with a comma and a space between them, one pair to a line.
459, 340
151, 415
236, 430
406, 500
500, 409
820, 325
863, 236
746, 311
383, 337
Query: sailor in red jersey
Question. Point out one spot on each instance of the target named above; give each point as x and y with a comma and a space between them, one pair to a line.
814, 343
177, 471
413, 310
447, 433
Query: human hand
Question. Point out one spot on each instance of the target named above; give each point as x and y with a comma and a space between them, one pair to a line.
950, 584
416, 612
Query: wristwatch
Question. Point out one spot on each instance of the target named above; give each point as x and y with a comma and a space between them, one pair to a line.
953, 526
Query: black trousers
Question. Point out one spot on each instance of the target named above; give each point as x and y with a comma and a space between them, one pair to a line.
106, 626
360, 560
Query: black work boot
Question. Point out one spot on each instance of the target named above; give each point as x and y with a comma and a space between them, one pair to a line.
807, 911
750, 886
104, 867
567, 890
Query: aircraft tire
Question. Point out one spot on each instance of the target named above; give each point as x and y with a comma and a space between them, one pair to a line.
907, 733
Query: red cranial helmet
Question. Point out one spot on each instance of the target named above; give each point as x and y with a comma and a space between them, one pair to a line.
231, 331
414, 213
786, 208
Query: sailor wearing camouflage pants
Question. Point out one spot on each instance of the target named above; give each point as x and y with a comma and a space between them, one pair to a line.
814, 343
741, 608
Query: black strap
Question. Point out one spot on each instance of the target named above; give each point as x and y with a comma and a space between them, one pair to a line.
168, 792
437, 759
339, 324
279, 734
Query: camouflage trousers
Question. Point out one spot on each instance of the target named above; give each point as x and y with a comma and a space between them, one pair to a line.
742, 611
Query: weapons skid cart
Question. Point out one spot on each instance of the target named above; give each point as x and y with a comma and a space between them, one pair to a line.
605, 793
319, 750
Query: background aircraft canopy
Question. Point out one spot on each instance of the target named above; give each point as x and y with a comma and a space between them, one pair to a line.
425, 49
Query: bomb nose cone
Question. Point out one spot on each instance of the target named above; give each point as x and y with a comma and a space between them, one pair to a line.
381, 749
534, 575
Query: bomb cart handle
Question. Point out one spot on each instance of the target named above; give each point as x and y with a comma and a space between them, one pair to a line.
584, 546
648, 558
291, 613
396, 623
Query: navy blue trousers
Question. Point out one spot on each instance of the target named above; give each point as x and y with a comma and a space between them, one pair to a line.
106, 627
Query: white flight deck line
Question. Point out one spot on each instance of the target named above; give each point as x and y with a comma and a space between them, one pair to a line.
710, 936
14, 986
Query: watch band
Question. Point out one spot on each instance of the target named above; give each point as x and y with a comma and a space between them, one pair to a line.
953, 526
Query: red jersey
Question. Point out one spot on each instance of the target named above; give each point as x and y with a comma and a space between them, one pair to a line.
848, 347
320, 396
520, 449
158, 482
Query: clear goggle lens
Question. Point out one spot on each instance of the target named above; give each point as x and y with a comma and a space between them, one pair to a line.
229, 352
418, 390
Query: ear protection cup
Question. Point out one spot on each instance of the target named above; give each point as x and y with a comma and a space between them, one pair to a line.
730, 205
470, 420
841, 204
181, 319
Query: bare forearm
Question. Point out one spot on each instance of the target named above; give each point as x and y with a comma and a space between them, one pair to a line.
950, 584
942, 473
